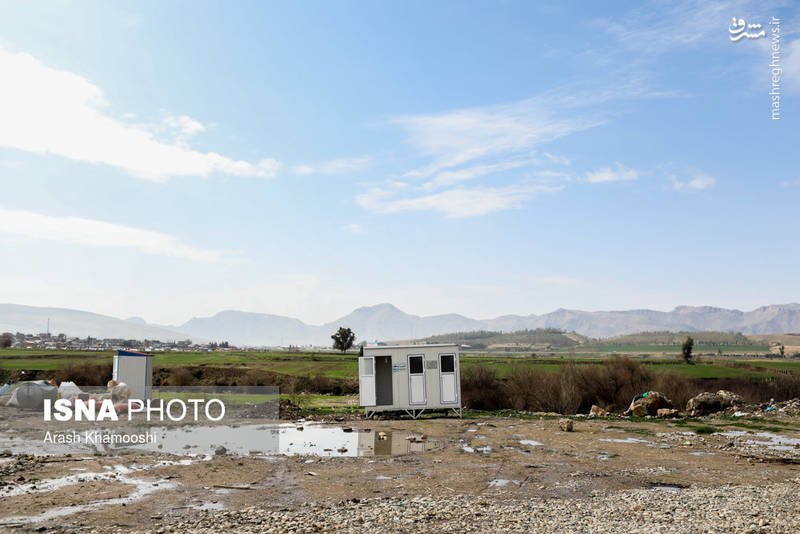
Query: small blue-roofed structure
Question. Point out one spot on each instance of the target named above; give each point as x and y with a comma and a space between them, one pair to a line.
136, 370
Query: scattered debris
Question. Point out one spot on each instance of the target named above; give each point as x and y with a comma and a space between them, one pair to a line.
597, 411
707, 403
648, 404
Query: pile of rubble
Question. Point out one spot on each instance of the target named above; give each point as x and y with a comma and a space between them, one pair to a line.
723, 402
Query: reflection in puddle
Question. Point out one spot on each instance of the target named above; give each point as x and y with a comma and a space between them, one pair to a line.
254, 440
290, 440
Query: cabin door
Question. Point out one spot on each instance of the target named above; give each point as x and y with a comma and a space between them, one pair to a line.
416, 379
366, 380
447, 378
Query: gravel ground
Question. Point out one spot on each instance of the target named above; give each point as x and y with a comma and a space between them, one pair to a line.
727, 509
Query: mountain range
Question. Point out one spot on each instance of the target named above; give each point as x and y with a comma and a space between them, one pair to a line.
385, 322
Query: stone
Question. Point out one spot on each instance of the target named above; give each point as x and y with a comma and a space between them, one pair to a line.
597, 411
667, 412
565, 425
707, 403
649, 404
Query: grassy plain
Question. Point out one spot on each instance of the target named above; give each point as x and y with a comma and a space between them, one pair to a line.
334, 365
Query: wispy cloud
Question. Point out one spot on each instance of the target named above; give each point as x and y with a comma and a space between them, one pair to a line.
454, 203
458, 137
96, 233
617, 174
50, 111
334, 166
354, 228
695, 181
446, 178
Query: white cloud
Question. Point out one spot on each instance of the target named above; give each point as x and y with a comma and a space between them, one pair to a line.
100, 234
457, 137
354, 228
50, 111
183, 127
618, 174
560, 160
697, 181
334, 166
790, 183
454, 203
446, 178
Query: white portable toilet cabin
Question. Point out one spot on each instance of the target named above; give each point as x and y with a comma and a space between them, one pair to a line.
409, 378
136, 370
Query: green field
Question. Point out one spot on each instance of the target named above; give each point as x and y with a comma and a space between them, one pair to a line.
670, 349
334, 365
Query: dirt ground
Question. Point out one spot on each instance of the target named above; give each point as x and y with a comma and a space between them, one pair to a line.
510, 459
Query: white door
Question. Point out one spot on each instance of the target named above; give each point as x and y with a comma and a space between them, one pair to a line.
366, 380
447, 378
416, 379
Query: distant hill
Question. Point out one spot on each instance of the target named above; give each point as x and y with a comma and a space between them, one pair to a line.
522, 340
385, 322
720, 339
33, 320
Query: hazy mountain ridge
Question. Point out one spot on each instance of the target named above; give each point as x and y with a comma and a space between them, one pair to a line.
386, 322
75, 323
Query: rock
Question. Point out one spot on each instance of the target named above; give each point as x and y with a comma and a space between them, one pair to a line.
597, 411
649, 404
706, 403
219, 451
565, 425
667, 412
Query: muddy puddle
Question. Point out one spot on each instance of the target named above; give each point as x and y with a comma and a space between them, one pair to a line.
267, 440
126, 475
767, 440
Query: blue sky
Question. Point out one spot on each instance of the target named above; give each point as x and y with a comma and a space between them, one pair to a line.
174, 159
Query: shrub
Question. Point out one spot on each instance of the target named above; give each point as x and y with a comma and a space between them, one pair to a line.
481, 389
84, 374
180, 376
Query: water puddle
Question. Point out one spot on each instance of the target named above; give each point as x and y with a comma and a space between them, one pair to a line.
501, 483
263, 440
625, 440
768, 440
118, 473
667, 487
